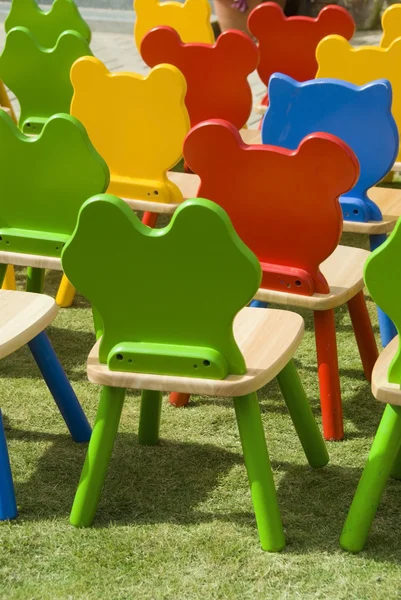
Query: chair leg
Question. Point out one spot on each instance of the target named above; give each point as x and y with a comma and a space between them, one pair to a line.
383, 453
9, 280
98, 456
150, 219
35, 280
260, 473
363, 333
329, 378
3, 272
386, 326
66, 293
149, 419
8, 505
302, 416
179, 399
60, 387
97, 323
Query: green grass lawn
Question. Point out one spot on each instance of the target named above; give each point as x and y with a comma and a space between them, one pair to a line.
176, 521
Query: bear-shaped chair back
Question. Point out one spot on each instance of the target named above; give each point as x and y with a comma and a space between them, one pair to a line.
283, 203
339, 60
216, 75
44, 180
137, 124
191, 19
47, 26
288, 44
39, 76
383, 280
360, 116
156, 330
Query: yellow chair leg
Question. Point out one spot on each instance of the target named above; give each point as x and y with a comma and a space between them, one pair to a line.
66, 293
9, 279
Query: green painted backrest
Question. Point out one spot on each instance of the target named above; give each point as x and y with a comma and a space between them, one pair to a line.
44, 181
383, 280
167, 297
39, 76
47, 26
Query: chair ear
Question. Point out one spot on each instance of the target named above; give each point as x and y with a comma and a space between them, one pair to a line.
158, 44
210, 144
87, 69
332, 49
331, 157
281, 86
395, 49
238, 47
198, 8
168, 77
336, 19
264, 17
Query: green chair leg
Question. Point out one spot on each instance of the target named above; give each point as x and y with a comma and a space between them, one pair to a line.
149, 419
35, 280
302, 416
97, 323
381, 458
259, 471
396, 470
98, 456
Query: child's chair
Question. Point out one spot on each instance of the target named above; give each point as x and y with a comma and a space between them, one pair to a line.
284, 205
216, 75
44, 181
47, 27
382, 278
39, 76
191, 19
361, 117
154, 346
391, 25
141, 139
23, 319
288, 44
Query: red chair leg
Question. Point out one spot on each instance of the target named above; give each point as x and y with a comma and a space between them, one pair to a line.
150, 219
179, 399
363, 333
329, 378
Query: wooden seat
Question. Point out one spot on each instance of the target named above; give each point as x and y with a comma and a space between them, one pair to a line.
343, 271
22, 317
267, 339
390, 393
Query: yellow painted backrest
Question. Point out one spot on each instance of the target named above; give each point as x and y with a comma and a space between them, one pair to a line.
391, 23
137, 124
190, 19
338, 59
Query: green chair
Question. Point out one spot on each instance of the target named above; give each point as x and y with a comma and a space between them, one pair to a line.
155, 340
44, 181
47, 26
40, 76
383, 280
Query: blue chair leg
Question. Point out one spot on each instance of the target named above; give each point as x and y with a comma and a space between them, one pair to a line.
386, 326
8, 505
258, 304
60, 388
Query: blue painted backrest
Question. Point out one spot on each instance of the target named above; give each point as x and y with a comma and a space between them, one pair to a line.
360, 116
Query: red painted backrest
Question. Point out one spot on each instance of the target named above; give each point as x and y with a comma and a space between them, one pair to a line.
288, 44
216, 74
283, 203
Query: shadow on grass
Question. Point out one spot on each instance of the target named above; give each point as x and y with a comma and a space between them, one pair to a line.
168, 482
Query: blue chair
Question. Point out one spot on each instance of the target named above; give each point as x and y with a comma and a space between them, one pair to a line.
361, 117
23, 318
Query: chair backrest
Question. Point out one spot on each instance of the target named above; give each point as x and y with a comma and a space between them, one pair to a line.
44, 181
47, 26
382, 278
216, 74
282, 203
360, 116
137, 124
38, 76
178, 321
191, 19
288, 44
339, 60
391, 24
